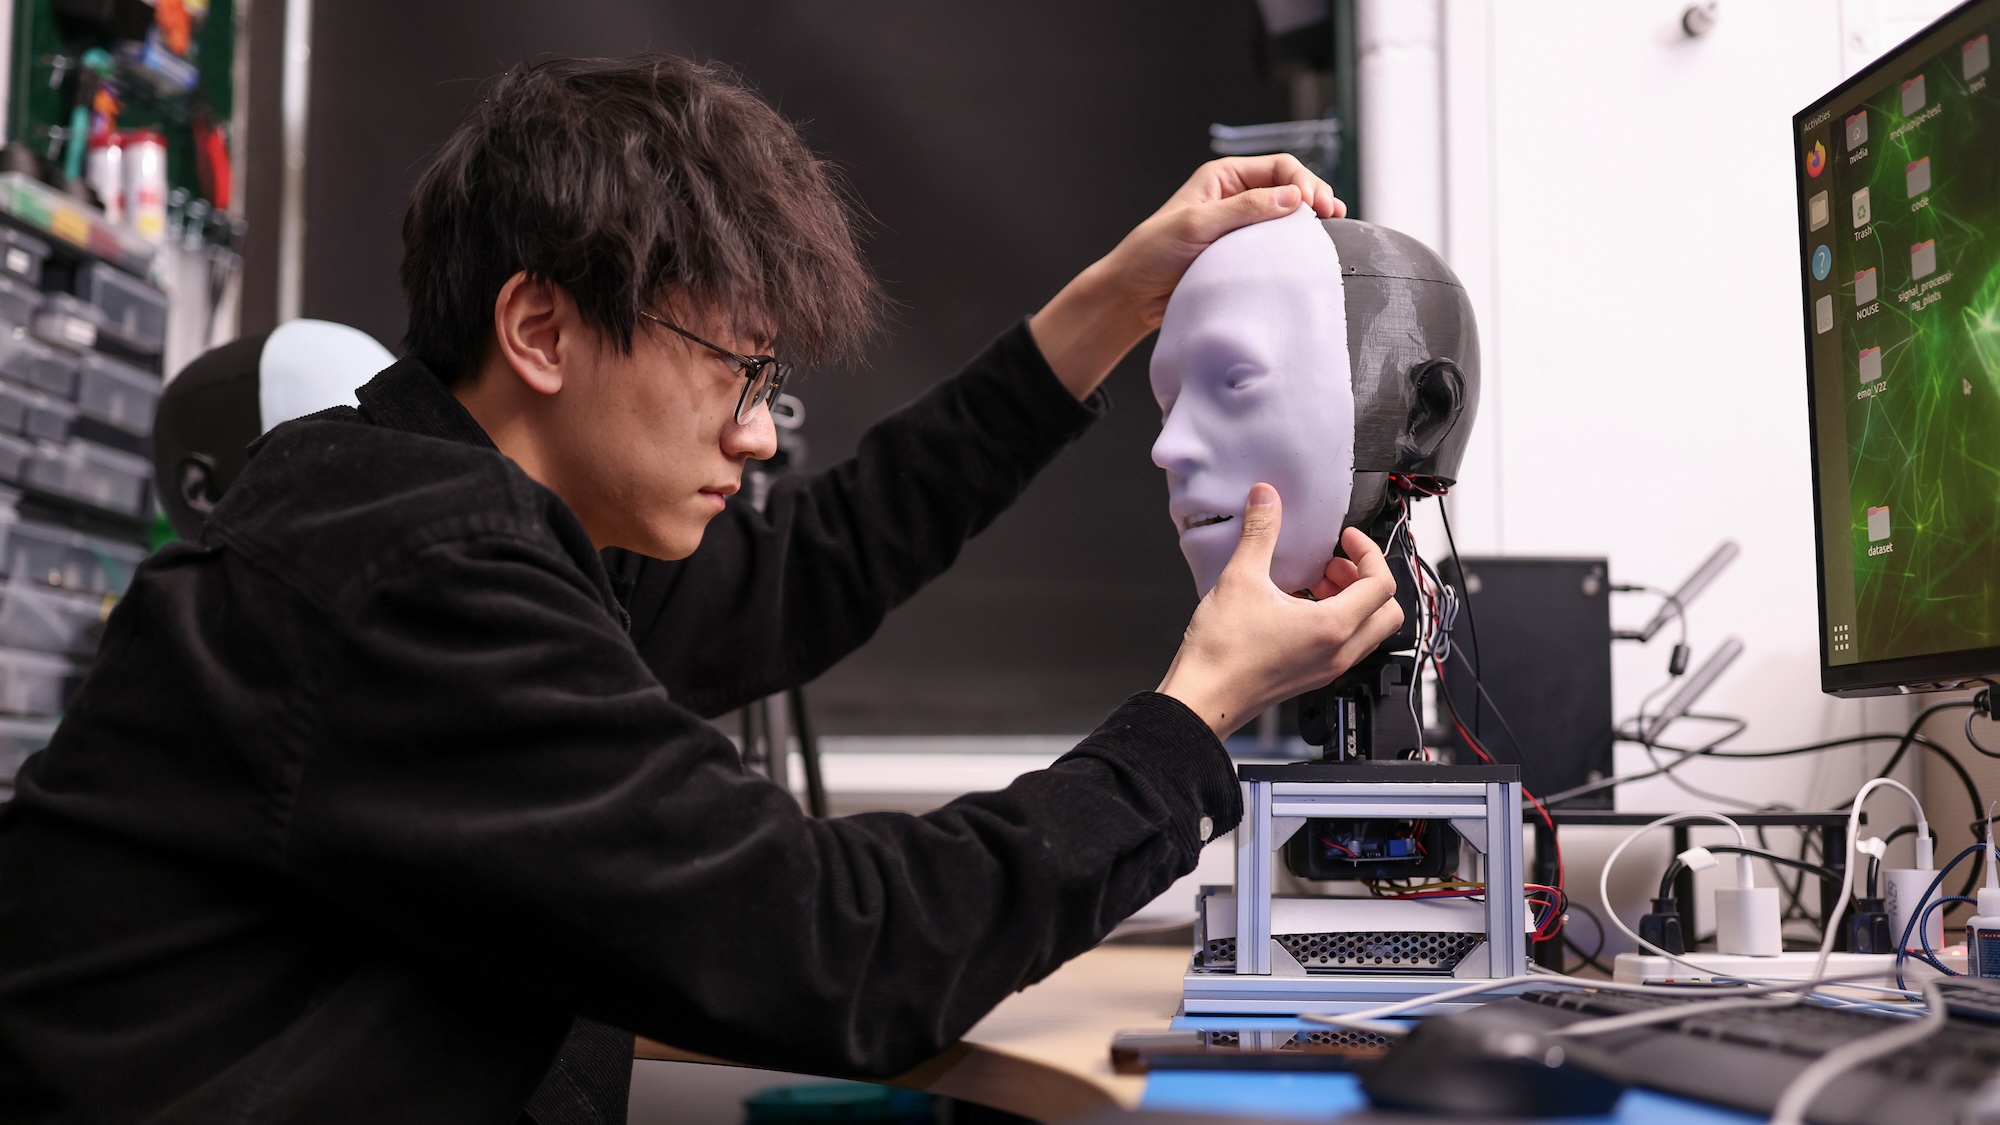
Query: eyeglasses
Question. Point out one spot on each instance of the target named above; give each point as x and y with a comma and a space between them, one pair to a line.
764, 375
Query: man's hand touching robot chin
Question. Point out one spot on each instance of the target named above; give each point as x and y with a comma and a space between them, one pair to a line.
1251, 645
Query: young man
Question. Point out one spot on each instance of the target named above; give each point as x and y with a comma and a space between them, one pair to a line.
387, 778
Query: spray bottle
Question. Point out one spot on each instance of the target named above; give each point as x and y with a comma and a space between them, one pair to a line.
1982, 931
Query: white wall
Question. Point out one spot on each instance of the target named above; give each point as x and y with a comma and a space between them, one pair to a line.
1617, 198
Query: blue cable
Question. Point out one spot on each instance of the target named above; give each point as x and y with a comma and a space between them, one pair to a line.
1924, 930
1917, 913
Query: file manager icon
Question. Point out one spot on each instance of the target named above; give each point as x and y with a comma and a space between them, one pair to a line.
1878, 524
1864, 287
1871, 364
1818, 212
1923, 259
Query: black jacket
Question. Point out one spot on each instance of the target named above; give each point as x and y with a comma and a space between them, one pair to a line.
369, 791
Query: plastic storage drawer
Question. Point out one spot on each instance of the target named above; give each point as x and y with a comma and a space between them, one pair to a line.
18, 300
45, 620
86, 471
22, 255
34, 414
67, 322
15, 453
71, 560
34, 683
20, 738
117, 393
133, 312
31, 363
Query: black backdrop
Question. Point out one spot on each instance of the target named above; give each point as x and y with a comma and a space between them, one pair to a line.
1000, 145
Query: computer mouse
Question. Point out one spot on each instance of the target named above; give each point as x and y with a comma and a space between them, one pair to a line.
1466, 1064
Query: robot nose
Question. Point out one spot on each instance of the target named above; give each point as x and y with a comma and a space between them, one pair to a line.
1178, 449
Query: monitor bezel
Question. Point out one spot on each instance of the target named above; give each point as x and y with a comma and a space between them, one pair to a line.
1939, 671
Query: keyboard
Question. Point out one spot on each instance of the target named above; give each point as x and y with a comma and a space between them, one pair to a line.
1744, 1059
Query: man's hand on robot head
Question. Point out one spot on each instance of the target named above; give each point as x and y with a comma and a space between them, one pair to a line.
1220, 197
1251, 645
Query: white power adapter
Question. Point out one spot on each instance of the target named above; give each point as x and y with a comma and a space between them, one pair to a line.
1904, 887
1749, 921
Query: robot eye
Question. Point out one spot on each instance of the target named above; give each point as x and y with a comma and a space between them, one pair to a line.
1243, 376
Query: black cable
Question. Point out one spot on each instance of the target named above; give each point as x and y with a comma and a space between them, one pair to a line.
1910, 737
1520, 750
1471, 624
1590, 958
808, 752
1826, 873
1982, 707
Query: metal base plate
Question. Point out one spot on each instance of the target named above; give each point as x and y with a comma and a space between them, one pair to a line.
1218, 993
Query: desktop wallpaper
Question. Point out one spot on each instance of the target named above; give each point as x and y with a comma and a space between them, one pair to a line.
1908, 241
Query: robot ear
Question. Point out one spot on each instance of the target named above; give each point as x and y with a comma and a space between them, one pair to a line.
194, 479
1437, 398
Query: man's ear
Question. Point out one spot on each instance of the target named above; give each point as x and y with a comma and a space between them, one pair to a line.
1437, 398
536, 327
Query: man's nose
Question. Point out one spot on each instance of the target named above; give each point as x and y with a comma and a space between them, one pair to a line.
756, 439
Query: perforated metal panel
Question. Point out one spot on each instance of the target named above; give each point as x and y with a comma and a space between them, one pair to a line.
1406, 952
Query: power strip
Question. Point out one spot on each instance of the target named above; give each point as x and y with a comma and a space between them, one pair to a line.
1647, 968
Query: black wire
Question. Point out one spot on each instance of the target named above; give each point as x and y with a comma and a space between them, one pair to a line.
1520, 750
1471, 623
808, 751
1982, 705
1590, 958
1826, 873
1910, 737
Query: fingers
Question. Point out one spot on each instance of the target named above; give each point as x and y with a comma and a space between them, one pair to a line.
1369, 635
1203, 223
1262, 516
1340, 574
1230, 176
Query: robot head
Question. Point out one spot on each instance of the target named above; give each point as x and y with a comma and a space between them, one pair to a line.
227, 396
1331, 358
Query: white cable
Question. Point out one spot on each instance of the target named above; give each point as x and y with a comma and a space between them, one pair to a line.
1925, 856
1824, 1071
1367, 1016
1610, 861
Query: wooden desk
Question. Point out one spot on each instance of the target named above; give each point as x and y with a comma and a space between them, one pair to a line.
1044, 1053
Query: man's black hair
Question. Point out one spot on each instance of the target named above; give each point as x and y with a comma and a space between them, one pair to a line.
644, 182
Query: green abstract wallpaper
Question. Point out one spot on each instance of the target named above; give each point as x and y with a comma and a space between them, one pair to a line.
1909, 231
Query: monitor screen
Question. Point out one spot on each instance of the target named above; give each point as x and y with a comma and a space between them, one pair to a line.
1899, 216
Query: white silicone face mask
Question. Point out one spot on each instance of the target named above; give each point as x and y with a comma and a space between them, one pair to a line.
1252, 375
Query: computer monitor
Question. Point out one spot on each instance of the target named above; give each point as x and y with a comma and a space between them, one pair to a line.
1899, 219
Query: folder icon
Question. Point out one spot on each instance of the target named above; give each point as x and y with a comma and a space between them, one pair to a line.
1917, 177
1871, 364
1857, 130
1878, 524
1823, 313
1864, 286
1818, 212
1913, 96
1923, 259
1977, 55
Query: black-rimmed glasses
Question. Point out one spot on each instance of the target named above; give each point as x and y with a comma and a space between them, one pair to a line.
764, 375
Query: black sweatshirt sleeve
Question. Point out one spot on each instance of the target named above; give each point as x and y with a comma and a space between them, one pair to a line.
808, 580
577, 836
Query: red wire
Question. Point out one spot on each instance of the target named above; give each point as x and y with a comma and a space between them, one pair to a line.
1554, 841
